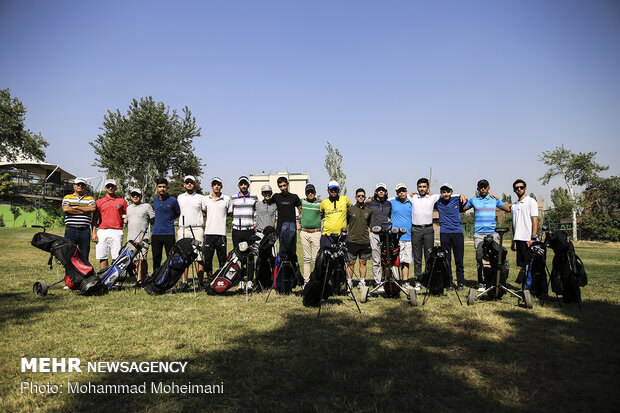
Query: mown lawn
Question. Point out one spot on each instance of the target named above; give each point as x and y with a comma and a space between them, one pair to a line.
278, 356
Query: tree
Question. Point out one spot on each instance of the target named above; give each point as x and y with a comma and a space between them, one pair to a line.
576, 169
562, 206
533, 196
16, 213
333, 165
147, 143
601, 205
506, 199
6, 185
15, 139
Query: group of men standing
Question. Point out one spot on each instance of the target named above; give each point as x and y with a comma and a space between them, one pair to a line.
203, 217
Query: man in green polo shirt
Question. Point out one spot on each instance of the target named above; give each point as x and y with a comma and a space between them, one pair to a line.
358, 245
310, 228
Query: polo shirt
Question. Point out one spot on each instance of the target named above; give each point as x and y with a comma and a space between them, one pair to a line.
265, 215
74, 200
484, 213
111, 211
335, 213
310, 214
522, 213
138, 218
166, 210
217, 210
422, 209
286, 207
449, 215
381, 211
242, 208
190, 206
401, 216
359, 218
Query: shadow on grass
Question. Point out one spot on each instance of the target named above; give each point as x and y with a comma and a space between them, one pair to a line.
398, 361
18, 308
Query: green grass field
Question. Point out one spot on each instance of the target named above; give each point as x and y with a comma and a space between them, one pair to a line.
278, 356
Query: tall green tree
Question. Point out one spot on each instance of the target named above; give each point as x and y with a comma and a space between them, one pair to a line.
562, 206
15, 139
333, 165
577, 169
146, 143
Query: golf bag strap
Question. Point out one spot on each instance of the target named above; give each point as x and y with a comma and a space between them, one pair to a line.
49, 262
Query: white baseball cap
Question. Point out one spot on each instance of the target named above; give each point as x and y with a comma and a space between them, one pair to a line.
333, 184
109, 182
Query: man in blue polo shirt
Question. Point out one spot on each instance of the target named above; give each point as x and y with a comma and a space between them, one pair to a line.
451, 237
484, 216
166, 210
401, 218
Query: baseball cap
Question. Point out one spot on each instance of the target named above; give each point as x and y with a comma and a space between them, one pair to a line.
216, 179
190, 177
109, 182
401, 185
446, 185
266, 188
243, 178
79, 181
381, 185
333, 184
310, 187
135, 191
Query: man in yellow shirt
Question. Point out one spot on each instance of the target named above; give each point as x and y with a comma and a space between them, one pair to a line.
334, 213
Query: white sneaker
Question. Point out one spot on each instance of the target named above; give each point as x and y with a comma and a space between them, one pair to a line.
350, 284
241, 286
380, 290
65, 287
418, 286
481, 287
406, 285
361, 284
249, 286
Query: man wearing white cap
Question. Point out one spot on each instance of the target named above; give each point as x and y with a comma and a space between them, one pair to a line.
138, 219
334, 213
78, 208
265, 210
216, 207
242, 208
108, 228
191, 221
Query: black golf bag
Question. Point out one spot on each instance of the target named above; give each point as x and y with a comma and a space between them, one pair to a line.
79, 273
535, 274
487, 254
183, 253
330, 262
568, 273
438, 273
266, 257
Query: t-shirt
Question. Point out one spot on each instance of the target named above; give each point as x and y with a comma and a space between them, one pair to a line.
242, 208
522, 213
166, 210
381, 211
335, 213
74, 200
449, 215
286, 207
217, 210
401, 216
138, 218
191, 210
359, 218
484, 213
265, 215
111, 211
422, 209
310, 214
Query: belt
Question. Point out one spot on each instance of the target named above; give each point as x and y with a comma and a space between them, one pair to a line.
78, 226
242, 228
311, 230
422, 226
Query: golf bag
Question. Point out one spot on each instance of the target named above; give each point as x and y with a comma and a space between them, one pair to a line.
438, 273
286, 277
330, 262
123, 263
568, 273
79, 273
183, 253
389, 247
266, 257
536, 270
228, 275
486, 258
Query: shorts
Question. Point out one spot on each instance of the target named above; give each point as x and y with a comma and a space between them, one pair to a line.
361, 251
110, 243
198, 235
405, 256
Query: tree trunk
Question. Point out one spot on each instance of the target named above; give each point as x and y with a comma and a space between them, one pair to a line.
571, 191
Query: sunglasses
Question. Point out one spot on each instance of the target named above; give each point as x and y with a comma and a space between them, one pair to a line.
135, 195
518, 188
282, 185
81, 184
109, 186
360, 196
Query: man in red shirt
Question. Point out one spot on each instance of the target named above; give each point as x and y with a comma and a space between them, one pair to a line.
108, 224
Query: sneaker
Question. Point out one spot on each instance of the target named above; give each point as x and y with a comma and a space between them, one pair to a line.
65, 287
138, 284
241, 286
450, 288
406, 285
460, 287
418, 286
249, 286
349, 284
380, 290
361, 284
481, 287
181, 287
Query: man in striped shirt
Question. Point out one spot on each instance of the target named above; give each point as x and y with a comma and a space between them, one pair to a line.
242, 206
78, 209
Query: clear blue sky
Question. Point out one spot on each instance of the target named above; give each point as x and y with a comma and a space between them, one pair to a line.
473, 89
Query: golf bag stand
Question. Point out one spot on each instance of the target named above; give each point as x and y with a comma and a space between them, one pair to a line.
348, 286
286, 262
438, 258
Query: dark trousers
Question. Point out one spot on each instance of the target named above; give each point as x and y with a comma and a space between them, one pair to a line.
157, 243
422, 239
81, 236
213, 244
455, 243
288, 239
522, 252
247, 265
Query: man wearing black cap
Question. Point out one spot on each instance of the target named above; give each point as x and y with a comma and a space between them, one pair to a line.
310, 229
451, 237
242, 207
381, 212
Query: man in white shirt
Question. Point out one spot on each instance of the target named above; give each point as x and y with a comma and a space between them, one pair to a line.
524, 221
216, 207
191, 221
242, 207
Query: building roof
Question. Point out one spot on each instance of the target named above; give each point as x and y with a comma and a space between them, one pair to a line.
42, 169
